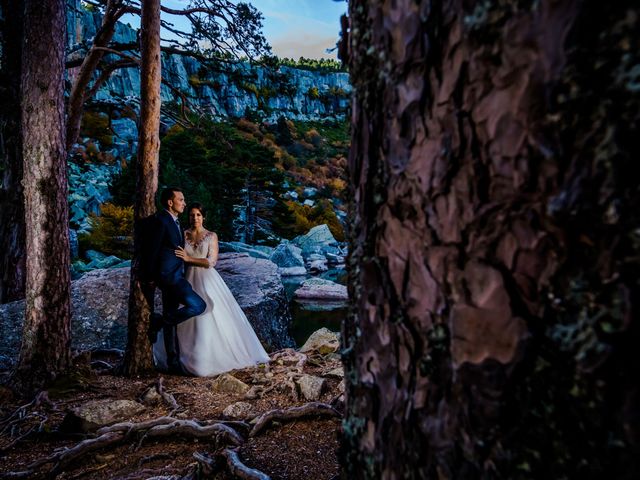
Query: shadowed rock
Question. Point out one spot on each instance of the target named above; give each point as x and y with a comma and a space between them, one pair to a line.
100, 298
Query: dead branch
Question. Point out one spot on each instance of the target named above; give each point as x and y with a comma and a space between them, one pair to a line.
239, 469
307, 410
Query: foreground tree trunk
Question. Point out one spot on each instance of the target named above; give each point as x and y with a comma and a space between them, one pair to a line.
138, 357
45, 349
495, 248
12, 268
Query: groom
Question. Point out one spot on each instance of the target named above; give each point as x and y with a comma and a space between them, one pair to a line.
163, 269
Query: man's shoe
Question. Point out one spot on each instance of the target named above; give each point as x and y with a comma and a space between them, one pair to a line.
155, 325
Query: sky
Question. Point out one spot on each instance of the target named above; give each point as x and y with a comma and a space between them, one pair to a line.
306, 28
293, 28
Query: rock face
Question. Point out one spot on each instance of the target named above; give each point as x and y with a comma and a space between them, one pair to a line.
321, 289
99, 306
99, 413
294, 93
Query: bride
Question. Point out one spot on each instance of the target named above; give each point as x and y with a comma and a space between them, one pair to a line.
221, 339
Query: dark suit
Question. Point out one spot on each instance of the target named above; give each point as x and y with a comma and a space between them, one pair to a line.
162, 238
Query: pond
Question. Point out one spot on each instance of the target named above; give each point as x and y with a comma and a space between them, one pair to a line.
309, 316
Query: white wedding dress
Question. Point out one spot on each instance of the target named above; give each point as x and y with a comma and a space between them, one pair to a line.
221, 339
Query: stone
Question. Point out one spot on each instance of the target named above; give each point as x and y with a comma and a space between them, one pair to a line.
100, 303
322, 341
321, 289
311, 387
151, 396
318, 235
317, 266
93, 255
99, 413
238, 411
336, 372
292, 271
229, 384
239, 247
287, 255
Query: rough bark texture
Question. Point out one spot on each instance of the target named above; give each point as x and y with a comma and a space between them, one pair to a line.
45, 349
495, 246
12, 268
138, 358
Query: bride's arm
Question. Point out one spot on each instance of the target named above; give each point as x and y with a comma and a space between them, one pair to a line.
197, 262
212, 254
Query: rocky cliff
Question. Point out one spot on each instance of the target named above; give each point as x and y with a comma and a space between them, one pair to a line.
295, 93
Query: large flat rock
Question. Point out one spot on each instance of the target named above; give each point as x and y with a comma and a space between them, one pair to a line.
100, 298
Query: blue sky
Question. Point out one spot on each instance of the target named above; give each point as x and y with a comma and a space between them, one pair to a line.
305, 28
293, 28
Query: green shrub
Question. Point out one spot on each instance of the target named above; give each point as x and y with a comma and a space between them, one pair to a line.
111, 231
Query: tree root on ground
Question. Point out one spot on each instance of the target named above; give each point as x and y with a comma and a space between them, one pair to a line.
222, 434
230, 460
307, 410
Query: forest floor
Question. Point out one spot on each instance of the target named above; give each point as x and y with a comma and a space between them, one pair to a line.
184, 434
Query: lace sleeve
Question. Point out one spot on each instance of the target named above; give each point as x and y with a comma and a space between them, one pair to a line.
212, 252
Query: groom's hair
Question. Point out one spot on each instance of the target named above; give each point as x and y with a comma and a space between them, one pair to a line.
167, 194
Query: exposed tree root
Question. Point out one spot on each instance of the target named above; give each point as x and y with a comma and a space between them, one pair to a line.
230, 460
167, 397
307, 410
190, 428
239, 469
221, 433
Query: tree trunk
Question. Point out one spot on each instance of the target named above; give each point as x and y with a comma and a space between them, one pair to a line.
138, 358
45, 349
78, 94
494, 240
12, 268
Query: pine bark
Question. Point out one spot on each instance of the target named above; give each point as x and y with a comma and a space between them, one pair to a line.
138, 357
45, 349
12, 267
494, 242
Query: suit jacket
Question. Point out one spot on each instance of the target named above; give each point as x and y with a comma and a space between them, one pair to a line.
161, 238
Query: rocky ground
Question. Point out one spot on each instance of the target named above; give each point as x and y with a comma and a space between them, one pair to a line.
279, 421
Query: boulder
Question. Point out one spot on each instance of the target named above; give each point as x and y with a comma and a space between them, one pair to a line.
317, 266
322, 341
99, 413
314, 239
292, 271
257, 251
100, 299
311, 387
229, 384
321, 289
238, 411
287, 255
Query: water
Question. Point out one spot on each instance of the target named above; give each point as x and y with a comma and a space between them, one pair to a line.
309, 316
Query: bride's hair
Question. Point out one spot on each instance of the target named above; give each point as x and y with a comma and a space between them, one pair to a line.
197, 206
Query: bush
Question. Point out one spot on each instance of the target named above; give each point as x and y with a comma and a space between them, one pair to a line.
111, 231
96, 125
